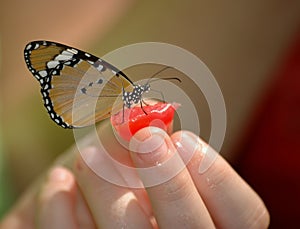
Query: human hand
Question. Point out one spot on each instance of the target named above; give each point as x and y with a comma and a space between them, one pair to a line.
78, 198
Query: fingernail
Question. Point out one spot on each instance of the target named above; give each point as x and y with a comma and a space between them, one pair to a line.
210, 155
188, 144
151, 150
58, 175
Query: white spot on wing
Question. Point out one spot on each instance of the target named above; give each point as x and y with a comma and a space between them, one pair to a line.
52, 64
43, 73
36, 46
66, 53
28, 47
63, 57
74, 51
100, 67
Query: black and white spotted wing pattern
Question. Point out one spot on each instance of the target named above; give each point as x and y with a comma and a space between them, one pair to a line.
78, 88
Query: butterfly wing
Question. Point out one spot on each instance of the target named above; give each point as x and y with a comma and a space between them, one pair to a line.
78, 88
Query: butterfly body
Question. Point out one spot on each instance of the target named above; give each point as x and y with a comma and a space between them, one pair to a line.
79, 88
134, 97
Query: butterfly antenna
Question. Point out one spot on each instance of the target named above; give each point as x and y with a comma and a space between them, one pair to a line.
165, 78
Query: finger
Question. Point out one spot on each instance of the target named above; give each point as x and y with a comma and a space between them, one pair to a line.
130, 178
56, 202
112, 206
174, 198
23, 215
229, 199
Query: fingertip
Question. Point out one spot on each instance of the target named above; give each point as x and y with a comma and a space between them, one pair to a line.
60, 174
189, 145
146, 133
150, 146
57, 199
59, 181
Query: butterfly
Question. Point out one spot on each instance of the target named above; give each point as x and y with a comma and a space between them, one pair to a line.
79, 88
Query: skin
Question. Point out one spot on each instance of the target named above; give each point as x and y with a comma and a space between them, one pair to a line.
71, 195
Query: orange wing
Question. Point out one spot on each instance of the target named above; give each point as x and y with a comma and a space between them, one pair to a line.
78, 88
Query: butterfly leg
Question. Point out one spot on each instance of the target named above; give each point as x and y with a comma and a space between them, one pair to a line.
141, 102
123, 110
144, 102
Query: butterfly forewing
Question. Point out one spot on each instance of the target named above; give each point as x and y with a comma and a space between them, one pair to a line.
78, 88
40, 57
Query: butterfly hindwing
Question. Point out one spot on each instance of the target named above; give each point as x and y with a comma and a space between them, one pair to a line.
78, 88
